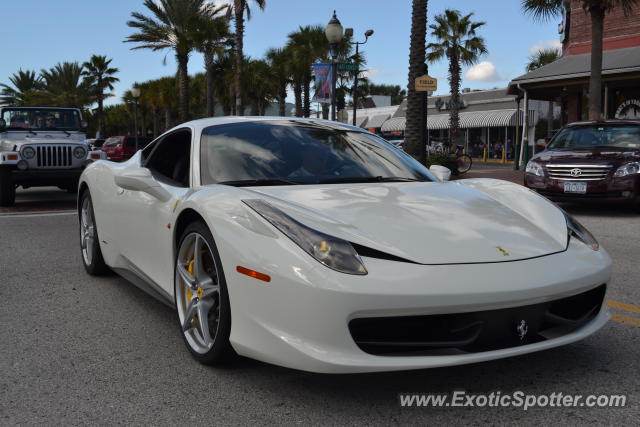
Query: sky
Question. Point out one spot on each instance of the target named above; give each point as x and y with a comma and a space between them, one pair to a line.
45, 32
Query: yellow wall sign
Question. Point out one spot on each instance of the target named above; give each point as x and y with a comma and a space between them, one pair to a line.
426, 84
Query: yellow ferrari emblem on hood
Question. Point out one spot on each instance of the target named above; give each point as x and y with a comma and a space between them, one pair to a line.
502, 251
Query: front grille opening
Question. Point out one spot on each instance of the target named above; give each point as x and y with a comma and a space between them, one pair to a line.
473, 332
53, 156
587, 172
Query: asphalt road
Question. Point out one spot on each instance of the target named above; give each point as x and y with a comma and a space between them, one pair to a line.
81, 350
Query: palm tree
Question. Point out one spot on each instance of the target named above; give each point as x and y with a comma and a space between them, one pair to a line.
99, 77
259, 84
457, 41
545, 9
277, 60
64, 86
413, 144
171, 27
26, 85
211, 39
239, 8
308, 44
541, 58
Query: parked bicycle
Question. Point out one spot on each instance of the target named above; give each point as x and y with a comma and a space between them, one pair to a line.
464, 160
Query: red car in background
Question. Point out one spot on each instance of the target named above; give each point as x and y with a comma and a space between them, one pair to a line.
121, 148
596, 160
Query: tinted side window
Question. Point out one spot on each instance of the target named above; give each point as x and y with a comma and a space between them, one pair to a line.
171, 157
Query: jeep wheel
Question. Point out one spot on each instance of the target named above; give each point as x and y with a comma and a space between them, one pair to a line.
7, 188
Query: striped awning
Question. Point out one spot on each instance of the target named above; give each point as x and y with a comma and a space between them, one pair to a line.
361, 120
394, 124
377, 121
472, 119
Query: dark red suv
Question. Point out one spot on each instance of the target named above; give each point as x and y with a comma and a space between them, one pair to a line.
598, 160
121, 148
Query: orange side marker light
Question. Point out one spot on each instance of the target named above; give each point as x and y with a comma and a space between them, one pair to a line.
253, 273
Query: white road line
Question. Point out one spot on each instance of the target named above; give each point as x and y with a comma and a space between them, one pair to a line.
36, 214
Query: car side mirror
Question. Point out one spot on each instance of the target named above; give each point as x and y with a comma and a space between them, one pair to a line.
441, 172
84, 125
142, 180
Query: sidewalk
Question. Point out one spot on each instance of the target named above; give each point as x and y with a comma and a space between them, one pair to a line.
493, 171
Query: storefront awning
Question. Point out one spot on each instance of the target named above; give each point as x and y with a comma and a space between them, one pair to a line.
377, 121
471, 119
579, 66
395, 124
360, 121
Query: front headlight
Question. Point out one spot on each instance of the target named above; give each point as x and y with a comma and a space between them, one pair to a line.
28, 153
79, 152
534, 168
577, 230
628, 169
333, 252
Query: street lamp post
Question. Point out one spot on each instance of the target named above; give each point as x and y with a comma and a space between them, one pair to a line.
367, 34
334, 36
135, 92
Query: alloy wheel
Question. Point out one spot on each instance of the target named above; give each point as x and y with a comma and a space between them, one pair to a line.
197, 292
87, 231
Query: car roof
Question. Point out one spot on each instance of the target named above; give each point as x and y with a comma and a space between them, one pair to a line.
214, 121
37, 108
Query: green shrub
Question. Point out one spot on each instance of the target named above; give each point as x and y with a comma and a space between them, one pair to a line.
443, 160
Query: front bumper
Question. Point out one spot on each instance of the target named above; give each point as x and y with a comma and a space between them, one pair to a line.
301, 318
625, 189
45, 177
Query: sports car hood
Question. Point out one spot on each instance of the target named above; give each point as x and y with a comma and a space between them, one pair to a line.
467, 221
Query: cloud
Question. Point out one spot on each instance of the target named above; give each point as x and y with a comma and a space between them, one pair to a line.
485, 71
545, 44
370, 73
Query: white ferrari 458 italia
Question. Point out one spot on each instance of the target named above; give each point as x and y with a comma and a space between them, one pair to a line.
319, 246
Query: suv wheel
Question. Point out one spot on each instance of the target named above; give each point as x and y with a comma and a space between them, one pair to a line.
7, 188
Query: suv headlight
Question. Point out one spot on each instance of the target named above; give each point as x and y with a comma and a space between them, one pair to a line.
577, 230
333, 252
79, 152
628, 169
534, 168
28, 153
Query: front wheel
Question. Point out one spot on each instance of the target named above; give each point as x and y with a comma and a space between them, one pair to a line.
464, 163
201, 298
7, 187
89, 243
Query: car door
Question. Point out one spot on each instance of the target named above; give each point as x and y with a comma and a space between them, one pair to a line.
144, 232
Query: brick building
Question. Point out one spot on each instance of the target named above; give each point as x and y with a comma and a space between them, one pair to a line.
566, 81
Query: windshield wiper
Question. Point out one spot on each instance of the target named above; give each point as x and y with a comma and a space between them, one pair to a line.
369, 179
258, 182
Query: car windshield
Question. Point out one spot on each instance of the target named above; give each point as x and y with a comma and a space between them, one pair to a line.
295, 152
35, 119
621, 136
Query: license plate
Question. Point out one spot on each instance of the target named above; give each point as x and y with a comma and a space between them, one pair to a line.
575, 187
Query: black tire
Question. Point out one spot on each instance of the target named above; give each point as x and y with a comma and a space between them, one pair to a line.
221, 351
94, 263
7, 187
464, 163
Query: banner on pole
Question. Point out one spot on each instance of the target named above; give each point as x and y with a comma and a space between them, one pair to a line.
323, 83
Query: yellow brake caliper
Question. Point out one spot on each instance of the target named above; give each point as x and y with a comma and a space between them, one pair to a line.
195, 321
